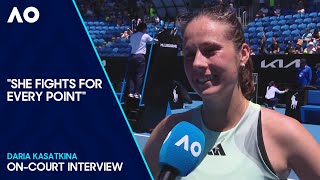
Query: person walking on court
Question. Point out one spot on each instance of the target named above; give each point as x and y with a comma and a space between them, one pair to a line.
258, 143
136, 62
304, 74
270, 96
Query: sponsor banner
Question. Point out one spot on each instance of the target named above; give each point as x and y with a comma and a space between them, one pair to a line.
279, 68
282, 69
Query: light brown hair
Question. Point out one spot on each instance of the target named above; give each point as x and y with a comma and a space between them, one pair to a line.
224, 14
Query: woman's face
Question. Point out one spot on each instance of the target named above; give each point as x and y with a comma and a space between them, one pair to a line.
211, 62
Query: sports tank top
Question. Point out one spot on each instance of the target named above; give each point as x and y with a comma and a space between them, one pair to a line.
233, 154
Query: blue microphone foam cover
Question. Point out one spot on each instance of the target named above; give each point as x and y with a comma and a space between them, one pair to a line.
182, 148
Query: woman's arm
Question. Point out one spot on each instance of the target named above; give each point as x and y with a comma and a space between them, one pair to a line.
304, 153
290, 146
280, 92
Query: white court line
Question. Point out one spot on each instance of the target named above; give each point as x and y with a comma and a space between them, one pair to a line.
141, 135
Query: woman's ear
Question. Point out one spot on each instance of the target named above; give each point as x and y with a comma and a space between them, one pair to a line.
244, 53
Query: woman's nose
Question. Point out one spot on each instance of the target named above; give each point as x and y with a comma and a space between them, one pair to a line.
200, 61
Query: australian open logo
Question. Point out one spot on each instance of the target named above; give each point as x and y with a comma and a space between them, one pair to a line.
30, 15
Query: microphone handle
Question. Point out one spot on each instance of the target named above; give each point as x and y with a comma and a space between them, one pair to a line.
168, 173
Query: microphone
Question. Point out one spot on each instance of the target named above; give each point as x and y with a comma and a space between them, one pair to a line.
181, 151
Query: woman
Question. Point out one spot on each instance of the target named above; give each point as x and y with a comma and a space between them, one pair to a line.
315, 34
310, 49
274, 48
262, 47
126, 34
259, 143
270, 96
307, 36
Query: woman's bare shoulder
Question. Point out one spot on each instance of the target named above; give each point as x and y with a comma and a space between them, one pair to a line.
274, 120
293, 141
280, 126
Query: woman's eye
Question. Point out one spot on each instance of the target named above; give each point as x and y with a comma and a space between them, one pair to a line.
209, 52
189, 56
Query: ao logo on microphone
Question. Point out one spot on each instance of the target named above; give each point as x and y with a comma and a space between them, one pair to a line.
195, 147
15, 14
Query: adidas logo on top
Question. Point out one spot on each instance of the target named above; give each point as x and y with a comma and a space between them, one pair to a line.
217, 151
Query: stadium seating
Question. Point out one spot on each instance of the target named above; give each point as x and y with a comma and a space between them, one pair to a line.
106, 37
282, 22
277, 34
259, 35
280, 39
296, 16
259, 29
287, 27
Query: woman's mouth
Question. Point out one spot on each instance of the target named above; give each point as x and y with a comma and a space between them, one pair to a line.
207, 78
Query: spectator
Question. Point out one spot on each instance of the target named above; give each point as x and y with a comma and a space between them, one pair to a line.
289, 49
304, 74
119, 21
274, 48
152, 12
270, 96
300, 9
126, 34
261, 3
310, 49
90, 13
252, 53
315, 34
139, 21
277, 12
299, 49
307, 35
262, 47
264, 11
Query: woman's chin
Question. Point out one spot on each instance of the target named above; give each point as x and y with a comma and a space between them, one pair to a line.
209, 92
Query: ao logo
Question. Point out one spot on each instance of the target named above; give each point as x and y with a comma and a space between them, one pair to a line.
195, 147
15, 14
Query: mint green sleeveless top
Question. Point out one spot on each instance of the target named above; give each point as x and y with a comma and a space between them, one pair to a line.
233, 154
